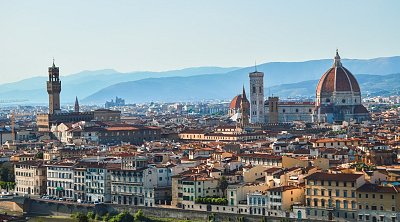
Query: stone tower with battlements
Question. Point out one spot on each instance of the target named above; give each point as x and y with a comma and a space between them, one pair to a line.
54, 89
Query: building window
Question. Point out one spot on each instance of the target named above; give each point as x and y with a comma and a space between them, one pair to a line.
343, 101
338, 204
315, 202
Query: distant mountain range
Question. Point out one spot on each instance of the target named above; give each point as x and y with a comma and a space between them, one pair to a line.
86, 83
370, 85
285, 79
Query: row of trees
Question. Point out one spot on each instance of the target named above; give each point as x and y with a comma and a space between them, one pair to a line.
121, 217
212, 200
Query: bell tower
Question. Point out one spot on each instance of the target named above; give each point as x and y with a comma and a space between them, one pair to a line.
256, 97
54, 89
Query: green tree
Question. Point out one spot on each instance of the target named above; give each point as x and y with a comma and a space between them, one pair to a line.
122, 217
91, 215
7, 172
39, 155
139, 216
106, 217
223, 184
80, 217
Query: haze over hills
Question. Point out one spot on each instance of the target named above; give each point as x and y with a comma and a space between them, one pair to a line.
227, 85
88, 82
369, 84
286, 79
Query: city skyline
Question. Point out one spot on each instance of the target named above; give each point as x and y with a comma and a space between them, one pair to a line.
133, 36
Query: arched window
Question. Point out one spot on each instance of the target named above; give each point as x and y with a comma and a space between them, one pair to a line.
315, 202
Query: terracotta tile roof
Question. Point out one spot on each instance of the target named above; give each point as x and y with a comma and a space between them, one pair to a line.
260, 155
378, 189
281, 189
121, 128
344, 177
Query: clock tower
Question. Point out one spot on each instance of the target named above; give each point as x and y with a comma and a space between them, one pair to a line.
54, 89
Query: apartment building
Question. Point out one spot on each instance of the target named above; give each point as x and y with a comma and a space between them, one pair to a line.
378, 203
134, 182
189, 185
97, 185
332, 196
79, 181
276, 201
60, 180
30, 177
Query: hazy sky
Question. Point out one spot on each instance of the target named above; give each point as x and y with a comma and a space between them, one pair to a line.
163, 35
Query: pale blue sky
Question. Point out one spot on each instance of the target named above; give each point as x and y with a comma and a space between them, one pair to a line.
164, 35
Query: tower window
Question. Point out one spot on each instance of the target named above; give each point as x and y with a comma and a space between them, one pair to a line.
254, 89
260, 89
355, 100
343, 101
297, 110
283, 110
328, 100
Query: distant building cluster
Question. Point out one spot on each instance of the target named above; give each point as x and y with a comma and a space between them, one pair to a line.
117, 103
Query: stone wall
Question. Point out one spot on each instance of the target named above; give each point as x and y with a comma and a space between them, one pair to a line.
37, 207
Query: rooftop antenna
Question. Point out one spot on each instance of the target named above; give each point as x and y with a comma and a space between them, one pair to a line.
255, 65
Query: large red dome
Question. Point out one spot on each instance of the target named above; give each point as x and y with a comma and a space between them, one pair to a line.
337, 79
235, 103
